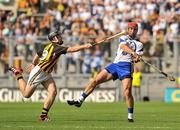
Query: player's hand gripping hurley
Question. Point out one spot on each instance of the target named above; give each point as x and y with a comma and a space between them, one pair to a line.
169, 77
108, 38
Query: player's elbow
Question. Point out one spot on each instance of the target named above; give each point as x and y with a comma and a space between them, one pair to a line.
140, 53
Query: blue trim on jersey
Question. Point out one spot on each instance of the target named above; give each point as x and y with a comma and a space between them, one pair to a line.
120, 70
140, 50
134, 45
121, 40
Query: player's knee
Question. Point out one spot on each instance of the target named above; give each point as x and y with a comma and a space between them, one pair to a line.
55, 93
27, 95
94, 82
127, 93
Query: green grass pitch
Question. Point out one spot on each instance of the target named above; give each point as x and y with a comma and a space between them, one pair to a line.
91, 116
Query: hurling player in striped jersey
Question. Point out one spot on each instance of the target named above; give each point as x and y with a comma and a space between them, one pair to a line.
40, 70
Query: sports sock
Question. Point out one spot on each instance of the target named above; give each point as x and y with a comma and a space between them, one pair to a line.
44, 112
82, 97
130, 113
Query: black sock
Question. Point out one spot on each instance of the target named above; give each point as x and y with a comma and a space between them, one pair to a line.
19, 76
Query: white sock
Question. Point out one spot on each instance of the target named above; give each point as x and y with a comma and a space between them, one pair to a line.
81, 98
130, 115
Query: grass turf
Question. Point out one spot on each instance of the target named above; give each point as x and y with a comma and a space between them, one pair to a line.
91, 116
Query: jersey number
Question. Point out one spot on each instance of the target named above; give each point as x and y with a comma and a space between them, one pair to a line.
44, 55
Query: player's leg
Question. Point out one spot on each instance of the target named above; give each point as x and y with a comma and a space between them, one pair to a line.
26, 89
52, 92
103, 76
127, 91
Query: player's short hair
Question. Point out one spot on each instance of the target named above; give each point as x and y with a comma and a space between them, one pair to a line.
132, 24
53, 34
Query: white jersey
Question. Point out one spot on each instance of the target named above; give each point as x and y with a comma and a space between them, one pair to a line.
122, 56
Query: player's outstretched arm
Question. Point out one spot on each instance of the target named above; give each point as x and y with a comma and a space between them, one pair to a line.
78, 48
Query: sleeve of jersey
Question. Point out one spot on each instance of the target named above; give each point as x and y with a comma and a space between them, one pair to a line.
139, 50
61, 50
122, 40
39, 52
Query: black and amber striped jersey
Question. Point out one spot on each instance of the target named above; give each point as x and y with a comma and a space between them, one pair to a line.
49, 56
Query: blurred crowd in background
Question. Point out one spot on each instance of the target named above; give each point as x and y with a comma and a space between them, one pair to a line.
81, 20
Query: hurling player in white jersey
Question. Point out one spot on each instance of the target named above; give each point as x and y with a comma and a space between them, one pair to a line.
129, 51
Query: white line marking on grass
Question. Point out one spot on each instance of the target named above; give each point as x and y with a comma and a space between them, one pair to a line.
25, 126
103, 127
93, 127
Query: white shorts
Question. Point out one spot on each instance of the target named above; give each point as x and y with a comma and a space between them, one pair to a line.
37, 76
